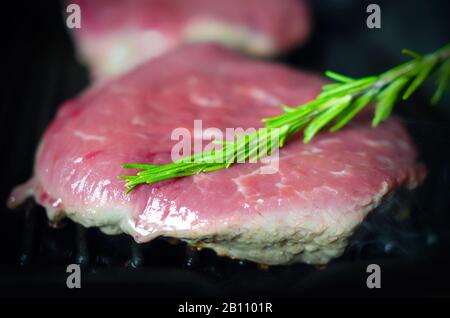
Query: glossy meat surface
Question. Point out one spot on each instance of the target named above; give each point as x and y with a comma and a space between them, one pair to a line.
304, 212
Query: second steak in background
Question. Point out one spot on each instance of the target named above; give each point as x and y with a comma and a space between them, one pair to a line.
117, 35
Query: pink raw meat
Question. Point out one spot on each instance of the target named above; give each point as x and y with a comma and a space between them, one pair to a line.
305, 212
116, 35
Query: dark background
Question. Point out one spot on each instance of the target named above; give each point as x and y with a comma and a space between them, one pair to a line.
40, 71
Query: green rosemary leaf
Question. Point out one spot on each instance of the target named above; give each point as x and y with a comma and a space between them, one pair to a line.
338, 77
328, 87
287, 118
348, 88
138, 166
335, 107
411, 53
428, 64
443, 82
287, 109
213, 168
386, 100
361, 102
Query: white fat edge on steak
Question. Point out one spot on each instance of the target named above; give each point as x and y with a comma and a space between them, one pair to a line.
268, 240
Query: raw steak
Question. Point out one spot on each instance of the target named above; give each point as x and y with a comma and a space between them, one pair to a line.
304, 213
116, 35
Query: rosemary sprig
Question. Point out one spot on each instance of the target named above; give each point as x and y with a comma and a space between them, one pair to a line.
337, 104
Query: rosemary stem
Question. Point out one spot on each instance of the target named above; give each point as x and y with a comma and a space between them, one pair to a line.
338, 103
